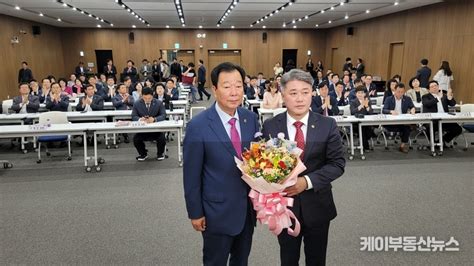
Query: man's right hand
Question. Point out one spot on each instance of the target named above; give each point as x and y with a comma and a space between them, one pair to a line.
199, 224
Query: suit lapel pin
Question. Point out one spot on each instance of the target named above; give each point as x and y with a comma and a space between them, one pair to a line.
245, 120
312, 126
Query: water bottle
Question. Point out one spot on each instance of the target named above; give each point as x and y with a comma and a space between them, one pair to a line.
171, 106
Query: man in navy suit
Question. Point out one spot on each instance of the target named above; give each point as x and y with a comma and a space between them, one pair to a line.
149, 110
25, 102
323, 155
216, 196
323, 103
91, 101
398, 104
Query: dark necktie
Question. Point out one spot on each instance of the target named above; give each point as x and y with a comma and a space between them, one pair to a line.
299, 137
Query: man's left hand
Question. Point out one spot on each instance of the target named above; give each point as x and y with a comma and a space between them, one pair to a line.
300, 186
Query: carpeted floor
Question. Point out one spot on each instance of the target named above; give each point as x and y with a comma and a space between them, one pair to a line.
133, 213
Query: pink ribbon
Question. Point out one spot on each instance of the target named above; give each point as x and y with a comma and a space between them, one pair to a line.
272, 210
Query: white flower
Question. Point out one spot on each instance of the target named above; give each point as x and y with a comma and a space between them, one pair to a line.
281, 135
257, 135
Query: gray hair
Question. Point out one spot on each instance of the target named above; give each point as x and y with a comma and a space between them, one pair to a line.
296, 74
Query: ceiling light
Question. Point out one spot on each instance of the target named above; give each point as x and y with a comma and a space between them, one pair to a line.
98, 26
17, 8
290, 3
133, 26
200, 26
111, 24
59, 19
40, 14
294, 27
367, 11
346, 17
306, 17
264, 26
342, 3
74, 8
332, 8
64, 4
284, 25
322, 11
131, 11
329, 22
232, 27
396, 3
317, 25
251, 25
184, 25
167, 26
218, 25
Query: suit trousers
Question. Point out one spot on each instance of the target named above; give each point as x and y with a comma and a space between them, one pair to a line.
452, 130
217, 247
140, 138
202, 90
404, 131
315, 245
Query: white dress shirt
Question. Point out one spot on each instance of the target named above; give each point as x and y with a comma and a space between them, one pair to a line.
440, 104
398, 106
225, 118
292, 133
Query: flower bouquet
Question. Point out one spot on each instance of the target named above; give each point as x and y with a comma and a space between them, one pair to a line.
269, 167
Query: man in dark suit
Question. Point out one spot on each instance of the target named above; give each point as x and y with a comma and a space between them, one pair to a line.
130, 71
323, 103
323, 155
437, 102
110, 70
370, 87
341, 95
424, 73
25, 74
25, 103
175, 69
80, 69
215, 194
202, 81
149, 110
398, 104
334, 80
156, 71
90, 101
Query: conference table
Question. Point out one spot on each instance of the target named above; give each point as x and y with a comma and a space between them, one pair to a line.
444, 118
83, 129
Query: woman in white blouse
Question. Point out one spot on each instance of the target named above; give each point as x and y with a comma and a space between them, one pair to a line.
444, 76
277, 69
272, 97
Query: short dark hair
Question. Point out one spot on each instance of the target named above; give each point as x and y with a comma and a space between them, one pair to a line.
147, 91
389, 82
400, 85
127, 78
348, 59
340, 83
62, 79
424, 61
368, 75
225, 67
433, 81
360, 88
168, 80
89, 86
23, 83
145, 60
335, 74
24, 62
191, 64
108, 60
410, 83
120, 85
253, 77
201, 61
322, 84
260, 73
130, 61
111, 77
357, 80
44, 79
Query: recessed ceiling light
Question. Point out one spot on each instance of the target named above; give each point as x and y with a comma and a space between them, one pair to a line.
264, 26
294, 27
299, 19
332, 8
218, 25
306, 17
112, 25
232, 27
184, 25
59, 19
367, 11
396, 3
329, 22
294, 21
40, 14
342, 3
17, 7
346, 17
290, 3
64, 4
317, 25
167, 26
98, 26
133, 26
284, 25
200, 26
322, 11
73, 8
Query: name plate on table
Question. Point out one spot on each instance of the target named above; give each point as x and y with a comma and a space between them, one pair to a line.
423, 115
338, 118
380, 117
39, 127
129, 123
466, 114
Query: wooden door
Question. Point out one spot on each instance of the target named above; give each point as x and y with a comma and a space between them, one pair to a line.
336, 60
187, 56
395, 60
220, 56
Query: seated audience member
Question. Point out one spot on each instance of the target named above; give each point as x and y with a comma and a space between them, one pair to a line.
149, 83
352, 95
272, 98
98, 88
390, 89
172, 91
260, 79
127, 81
102, 80
341, 95
35, 90
437, 102
162, 96
137, 91
370, 87
65, 90
247, 84
254, 91
361, 106
131, 71
54, 100
323, 103
416, 92
149, 110
25, 102
78, 87
346, 81
334, 81
398, 104
397, 77
110, 89
319, 78
51, 78
72, 80
90, 101
80, 69
45, 89
122, 100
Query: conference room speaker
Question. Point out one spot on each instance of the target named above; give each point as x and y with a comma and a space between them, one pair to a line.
264, 37
36, 30
131, 37
350, 31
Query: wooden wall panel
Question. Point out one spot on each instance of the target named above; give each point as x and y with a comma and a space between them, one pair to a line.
437, 32
43, 53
